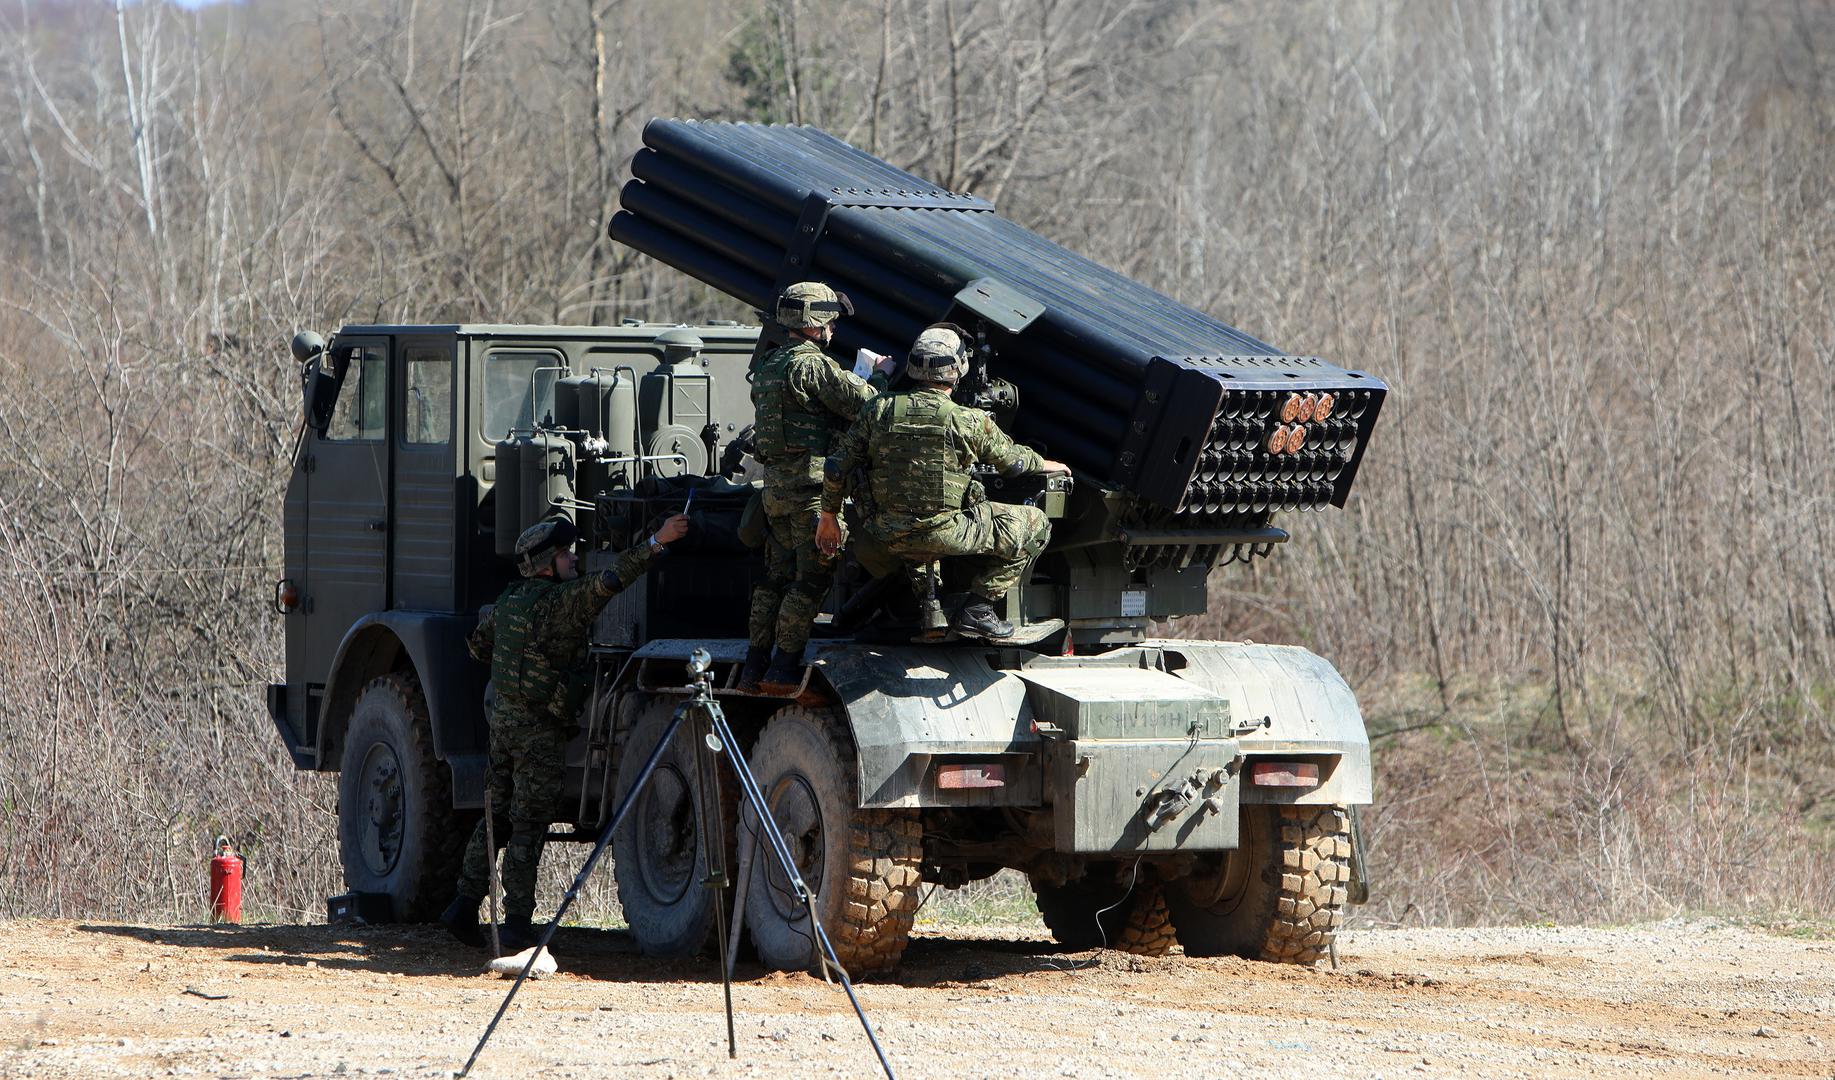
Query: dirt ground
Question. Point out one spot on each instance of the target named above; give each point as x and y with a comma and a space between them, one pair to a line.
1696, 998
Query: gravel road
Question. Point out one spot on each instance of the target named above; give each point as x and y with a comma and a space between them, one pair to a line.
1683, 998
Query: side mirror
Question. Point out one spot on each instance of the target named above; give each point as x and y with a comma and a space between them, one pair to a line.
306, 345
319, 389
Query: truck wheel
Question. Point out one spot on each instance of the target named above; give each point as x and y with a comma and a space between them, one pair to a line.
656, 853
861, 864
397, 831
1278, 897
1088, 915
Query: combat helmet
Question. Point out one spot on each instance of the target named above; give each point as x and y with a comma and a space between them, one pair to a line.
939, 355
536, 546
810, 304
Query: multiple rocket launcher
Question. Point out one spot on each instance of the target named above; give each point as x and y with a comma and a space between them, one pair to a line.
1211, 428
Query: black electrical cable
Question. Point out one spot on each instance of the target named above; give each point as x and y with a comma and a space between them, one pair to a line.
1133, 879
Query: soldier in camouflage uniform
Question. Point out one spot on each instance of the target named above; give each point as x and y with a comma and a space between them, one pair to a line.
801, 399
535, 639
917, 446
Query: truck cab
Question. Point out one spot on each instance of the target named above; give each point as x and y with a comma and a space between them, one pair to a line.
394, 519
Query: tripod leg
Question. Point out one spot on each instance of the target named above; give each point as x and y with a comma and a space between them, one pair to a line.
579, 881
495, 885
748, 786
747, 846
713, 849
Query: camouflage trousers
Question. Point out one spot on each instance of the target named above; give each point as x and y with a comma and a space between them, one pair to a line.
994, 541
527, 770
797, 576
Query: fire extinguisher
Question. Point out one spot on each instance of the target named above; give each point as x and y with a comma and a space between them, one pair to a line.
226, 884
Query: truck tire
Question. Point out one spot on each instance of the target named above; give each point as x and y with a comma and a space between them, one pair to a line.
1280, 896
863, 865
1091, 915
656, 853
398, 834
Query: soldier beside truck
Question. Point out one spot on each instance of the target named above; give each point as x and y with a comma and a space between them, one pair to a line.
1150, 789
801, 398
535, 639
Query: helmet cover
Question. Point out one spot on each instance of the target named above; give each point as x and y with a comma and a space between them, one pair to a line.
536, 546
811, 304
940, 354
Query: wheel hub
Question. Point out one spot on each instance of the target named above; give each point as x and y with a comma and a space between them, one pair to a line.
385, 809
799, 816
667, 844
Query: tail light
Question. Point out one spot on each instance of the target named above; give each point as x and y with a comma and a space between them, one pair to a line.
978, 775
1300, 774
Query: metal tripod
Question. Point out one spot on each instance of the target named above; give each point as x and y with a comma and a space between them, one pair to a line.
717, 738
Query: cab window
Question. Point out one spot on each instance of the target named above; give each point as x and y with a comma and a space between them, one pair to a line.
363, 372
428, 405
516, 388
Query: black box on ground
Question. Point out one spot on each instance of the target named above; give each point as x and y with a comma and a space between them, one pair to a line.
359, 907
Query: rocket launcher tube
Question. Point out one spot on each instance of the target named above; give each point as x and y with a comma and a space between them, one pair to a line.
1126, 382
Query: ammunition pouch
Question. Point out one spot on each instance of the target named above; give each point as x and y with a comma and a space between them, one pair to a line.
570, 697
752, 521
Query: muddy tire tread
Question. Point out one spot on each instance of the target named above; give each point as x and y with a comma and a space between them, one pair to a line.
1145, 925
1148, 931
871, 924
441, 844
1314, 873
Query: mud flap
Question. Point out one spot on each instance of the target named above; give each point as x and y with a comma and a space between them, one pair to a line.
1357, 890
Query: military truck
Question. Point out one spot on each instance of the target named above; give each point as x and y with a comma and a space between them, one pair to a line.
1151, 788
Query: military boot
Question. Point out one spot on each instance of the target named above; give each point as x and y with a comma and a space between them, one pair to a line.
785, 675
933, 625
516, 934
756, 659
461, 920
976, 618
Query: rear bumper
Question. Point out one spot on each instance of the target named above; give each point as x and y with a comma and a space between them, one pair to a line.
1138, 796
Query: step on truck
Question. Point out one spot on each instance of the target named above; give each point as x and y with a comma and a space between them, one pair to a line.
1152, 789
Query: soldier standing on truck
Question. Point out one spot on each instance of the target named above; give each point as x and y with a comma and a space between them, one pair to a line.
535, 639
801, 399
917, 446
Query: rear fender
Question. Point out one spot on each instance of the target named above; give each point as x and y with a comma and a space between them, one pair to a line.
909, 706
1285, 703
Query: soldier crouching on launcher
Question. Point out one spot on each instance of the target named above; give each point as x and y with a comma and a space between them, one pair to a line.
801, 399
917, 446
535, 639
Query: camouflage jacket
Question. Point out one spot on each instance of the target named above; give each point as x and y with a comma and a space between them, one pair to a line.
536, 635
801, 399
916, 447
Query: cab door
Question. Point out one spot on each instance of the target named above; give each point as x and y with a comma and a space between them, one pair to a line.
345, 482
423, 548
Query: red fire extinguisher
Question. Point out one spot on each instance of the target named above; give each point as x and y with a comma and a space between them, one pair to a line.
226, 884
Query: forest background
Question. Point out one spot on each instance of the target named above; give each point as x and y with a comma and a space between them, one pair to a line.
1584, 585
